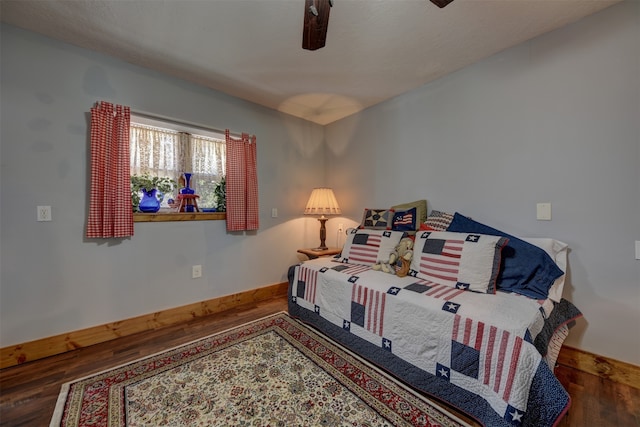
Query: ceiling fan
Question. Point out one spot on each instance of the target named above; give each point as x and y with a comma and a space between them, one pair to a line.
316, 20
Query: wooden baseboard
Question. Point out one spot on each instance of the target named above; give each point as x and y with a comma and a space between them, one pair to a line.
611, 369
38, 349
614, 370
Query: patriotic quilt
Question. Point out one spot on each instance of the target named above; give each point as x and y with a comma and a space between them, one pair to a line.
491, 356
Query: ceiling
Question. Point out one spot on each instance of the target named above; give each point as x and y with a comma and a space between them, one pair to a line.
252, 49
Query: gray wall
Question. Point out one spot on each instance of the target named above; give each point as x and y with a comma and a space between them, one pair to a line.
52, 279
552, 120
556, 119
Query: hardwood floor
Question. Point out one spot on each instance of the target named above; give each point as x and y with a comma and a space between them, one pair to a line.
28, 392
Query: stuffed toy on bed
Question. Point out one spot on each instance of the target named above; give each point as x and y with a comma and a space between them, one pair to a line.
400, 257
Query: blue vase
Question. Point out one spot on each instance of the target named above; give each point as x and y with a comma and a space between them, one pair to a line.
150, 202
187, 190
187, 182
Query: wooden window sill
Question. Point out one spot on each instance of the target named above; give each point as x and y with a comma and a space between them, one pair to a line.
179, 216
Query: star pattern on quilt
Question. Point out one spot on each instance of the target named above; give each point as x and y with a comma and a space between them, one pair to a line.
516, 416
316, 309
443, 372
513, 415
386, 344
346, 325
472, 238
451, 307
393, 290
353, 279
461, 285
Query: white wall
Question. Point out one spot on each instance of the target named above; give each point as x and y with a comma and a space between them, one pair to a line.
53, 280
556, 119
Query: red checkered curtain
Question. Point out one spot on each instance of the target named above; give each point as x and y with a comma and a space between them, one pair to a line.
110, 212
242, 183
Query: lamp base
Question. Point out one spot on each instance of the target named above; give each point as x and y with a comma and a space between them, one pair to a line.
323, 234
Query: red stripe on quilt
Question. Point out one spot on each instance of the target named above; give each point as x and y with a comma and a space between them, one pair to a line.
515, 357
489, 354
501, 354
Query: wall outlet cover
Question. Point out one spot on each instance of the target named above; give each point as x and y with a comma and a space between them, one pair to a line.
543, 211
196, 271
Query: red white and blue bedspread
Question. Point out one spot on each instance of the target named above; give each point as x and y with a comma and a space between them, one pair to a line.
488, 355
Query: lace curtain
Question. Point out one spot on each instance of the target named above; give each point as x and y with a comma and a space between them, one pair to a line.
169, 153
208, 166
156, 151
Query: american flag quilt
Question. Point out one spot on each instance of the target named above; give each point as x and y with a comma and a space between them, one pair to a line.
488, 355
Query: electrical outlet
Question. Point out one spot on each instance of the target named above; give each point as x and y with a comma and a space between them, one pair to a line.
44, 213
196, 271
543, 211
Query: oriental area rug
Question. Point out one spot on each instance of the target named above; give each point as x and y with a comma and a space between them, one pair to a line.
274, 371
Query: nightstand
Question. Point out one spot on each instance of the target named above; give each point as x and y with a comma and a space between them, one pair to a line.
315, 253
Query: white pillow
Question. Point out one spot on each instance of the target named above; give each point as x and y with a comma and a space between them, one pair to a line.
557, 250
367, 247
461, 260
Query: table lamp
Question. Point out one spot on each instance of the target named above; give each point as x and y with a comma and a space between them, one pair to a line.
322, 202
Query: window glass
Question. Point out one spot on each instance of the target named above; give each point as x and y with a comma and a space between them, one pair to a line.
172, 149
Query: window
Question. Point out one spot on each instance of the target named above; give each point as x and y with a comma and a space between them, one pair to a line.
165, 149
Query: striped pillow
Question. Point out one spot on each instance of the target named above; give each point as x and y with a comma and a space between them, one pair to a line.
439, 220
367, 247
468, 261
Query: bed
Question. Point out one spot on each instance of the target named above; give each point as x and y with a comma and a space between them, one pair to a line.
457, 327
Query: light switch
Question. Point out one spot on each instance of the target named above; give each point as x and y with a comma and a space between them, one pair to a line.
196, 271
44, 213
274, 212
543, 211
637, 249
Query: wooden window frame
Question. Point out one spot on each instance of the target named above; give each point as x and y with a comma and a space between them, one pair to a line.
179, 216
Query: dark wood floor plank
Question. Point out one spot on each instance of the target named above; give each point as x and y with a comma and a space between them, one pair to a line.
28, 392
598, 401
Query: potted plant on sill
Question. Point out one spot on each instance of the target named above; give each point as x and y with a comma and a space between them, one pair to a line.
220, 195
152, 188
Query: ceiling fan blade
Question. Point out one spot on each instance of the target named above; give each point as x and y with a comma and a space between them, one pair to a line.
316, 20
441, 3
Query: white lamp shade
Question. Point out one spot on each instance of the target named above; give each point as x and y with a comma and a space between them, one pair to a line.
322, 202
